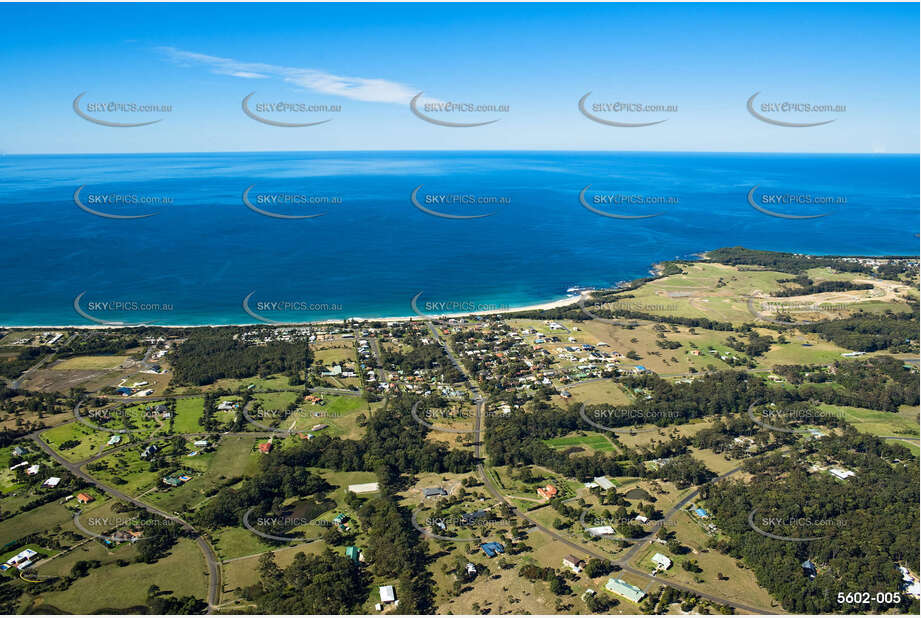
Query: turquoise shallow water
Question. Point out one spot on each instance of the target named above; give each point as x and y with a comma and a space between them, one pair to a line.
372, 250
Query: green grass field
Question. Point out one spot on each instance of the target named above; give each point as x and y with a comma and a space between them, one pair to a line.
182, 572
90, 362
90, 440
188, 415
588, 440
903, 423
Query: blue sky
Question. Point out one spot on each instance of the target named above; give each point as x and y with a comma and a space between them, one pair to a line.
538, 59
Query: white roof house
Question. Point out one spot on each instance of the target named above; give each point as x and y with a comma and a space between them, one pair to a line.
600, 530
387, 594
51, 482
33, 469
603, 482
365, 488
662, 561
841, 474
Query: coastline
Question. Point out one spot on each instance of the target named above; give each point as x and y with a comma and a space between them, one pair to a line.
552, 304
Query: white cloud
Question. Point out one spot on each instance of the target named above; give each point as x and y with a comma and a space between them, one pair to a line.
373, 90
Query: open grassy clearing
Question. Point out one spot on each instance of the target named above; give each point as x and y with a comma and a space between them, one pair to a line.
182, 572
233, 459
878, 422
741, 585
90, 362
188, 415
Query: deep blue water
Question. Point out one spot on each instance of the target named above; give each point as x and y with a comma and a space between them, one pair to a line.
372, 253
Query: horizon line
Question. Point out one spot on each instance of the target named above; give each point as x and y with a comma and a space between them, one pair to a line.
470, 150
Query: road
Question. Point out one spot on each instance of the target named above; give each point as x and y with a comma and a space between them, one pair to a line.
214, 569
622, 562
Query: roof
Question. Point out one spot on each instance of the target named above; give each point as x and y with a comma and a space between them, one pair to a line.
572, 559
363, 488
619, 586
387, 594
84, 497
428, 492
701, 512
662, 560
603, 482
600, 530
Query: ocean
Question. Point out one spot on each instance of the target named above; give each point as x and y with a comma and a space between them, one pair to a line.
374, 249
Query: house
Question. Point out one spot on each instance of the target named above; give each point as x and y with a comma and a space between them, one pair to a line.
200, 443
909, 585
124, 391
19, 465
22, 559
841, 474
18, 451
492, 549
340, 520
548, 492
471, 570
51, 482
33, 469
114, 440
265, 447
364, 488
149, 451
588, 593
353, 553
172, 481
387, 595
600, 530
701, 512
573, 563
84, 498
638, 369
225, 406
603, 482
431, 492
622, 588
642, 519
809, 569
662, 561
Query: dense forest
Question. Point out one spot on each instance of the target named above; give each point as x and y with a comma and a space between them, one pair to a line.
211, 354
860, 528
799, 263
869, 332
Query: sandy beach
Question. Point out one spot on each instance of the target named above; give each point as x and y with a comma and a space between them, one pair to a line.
553, 304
